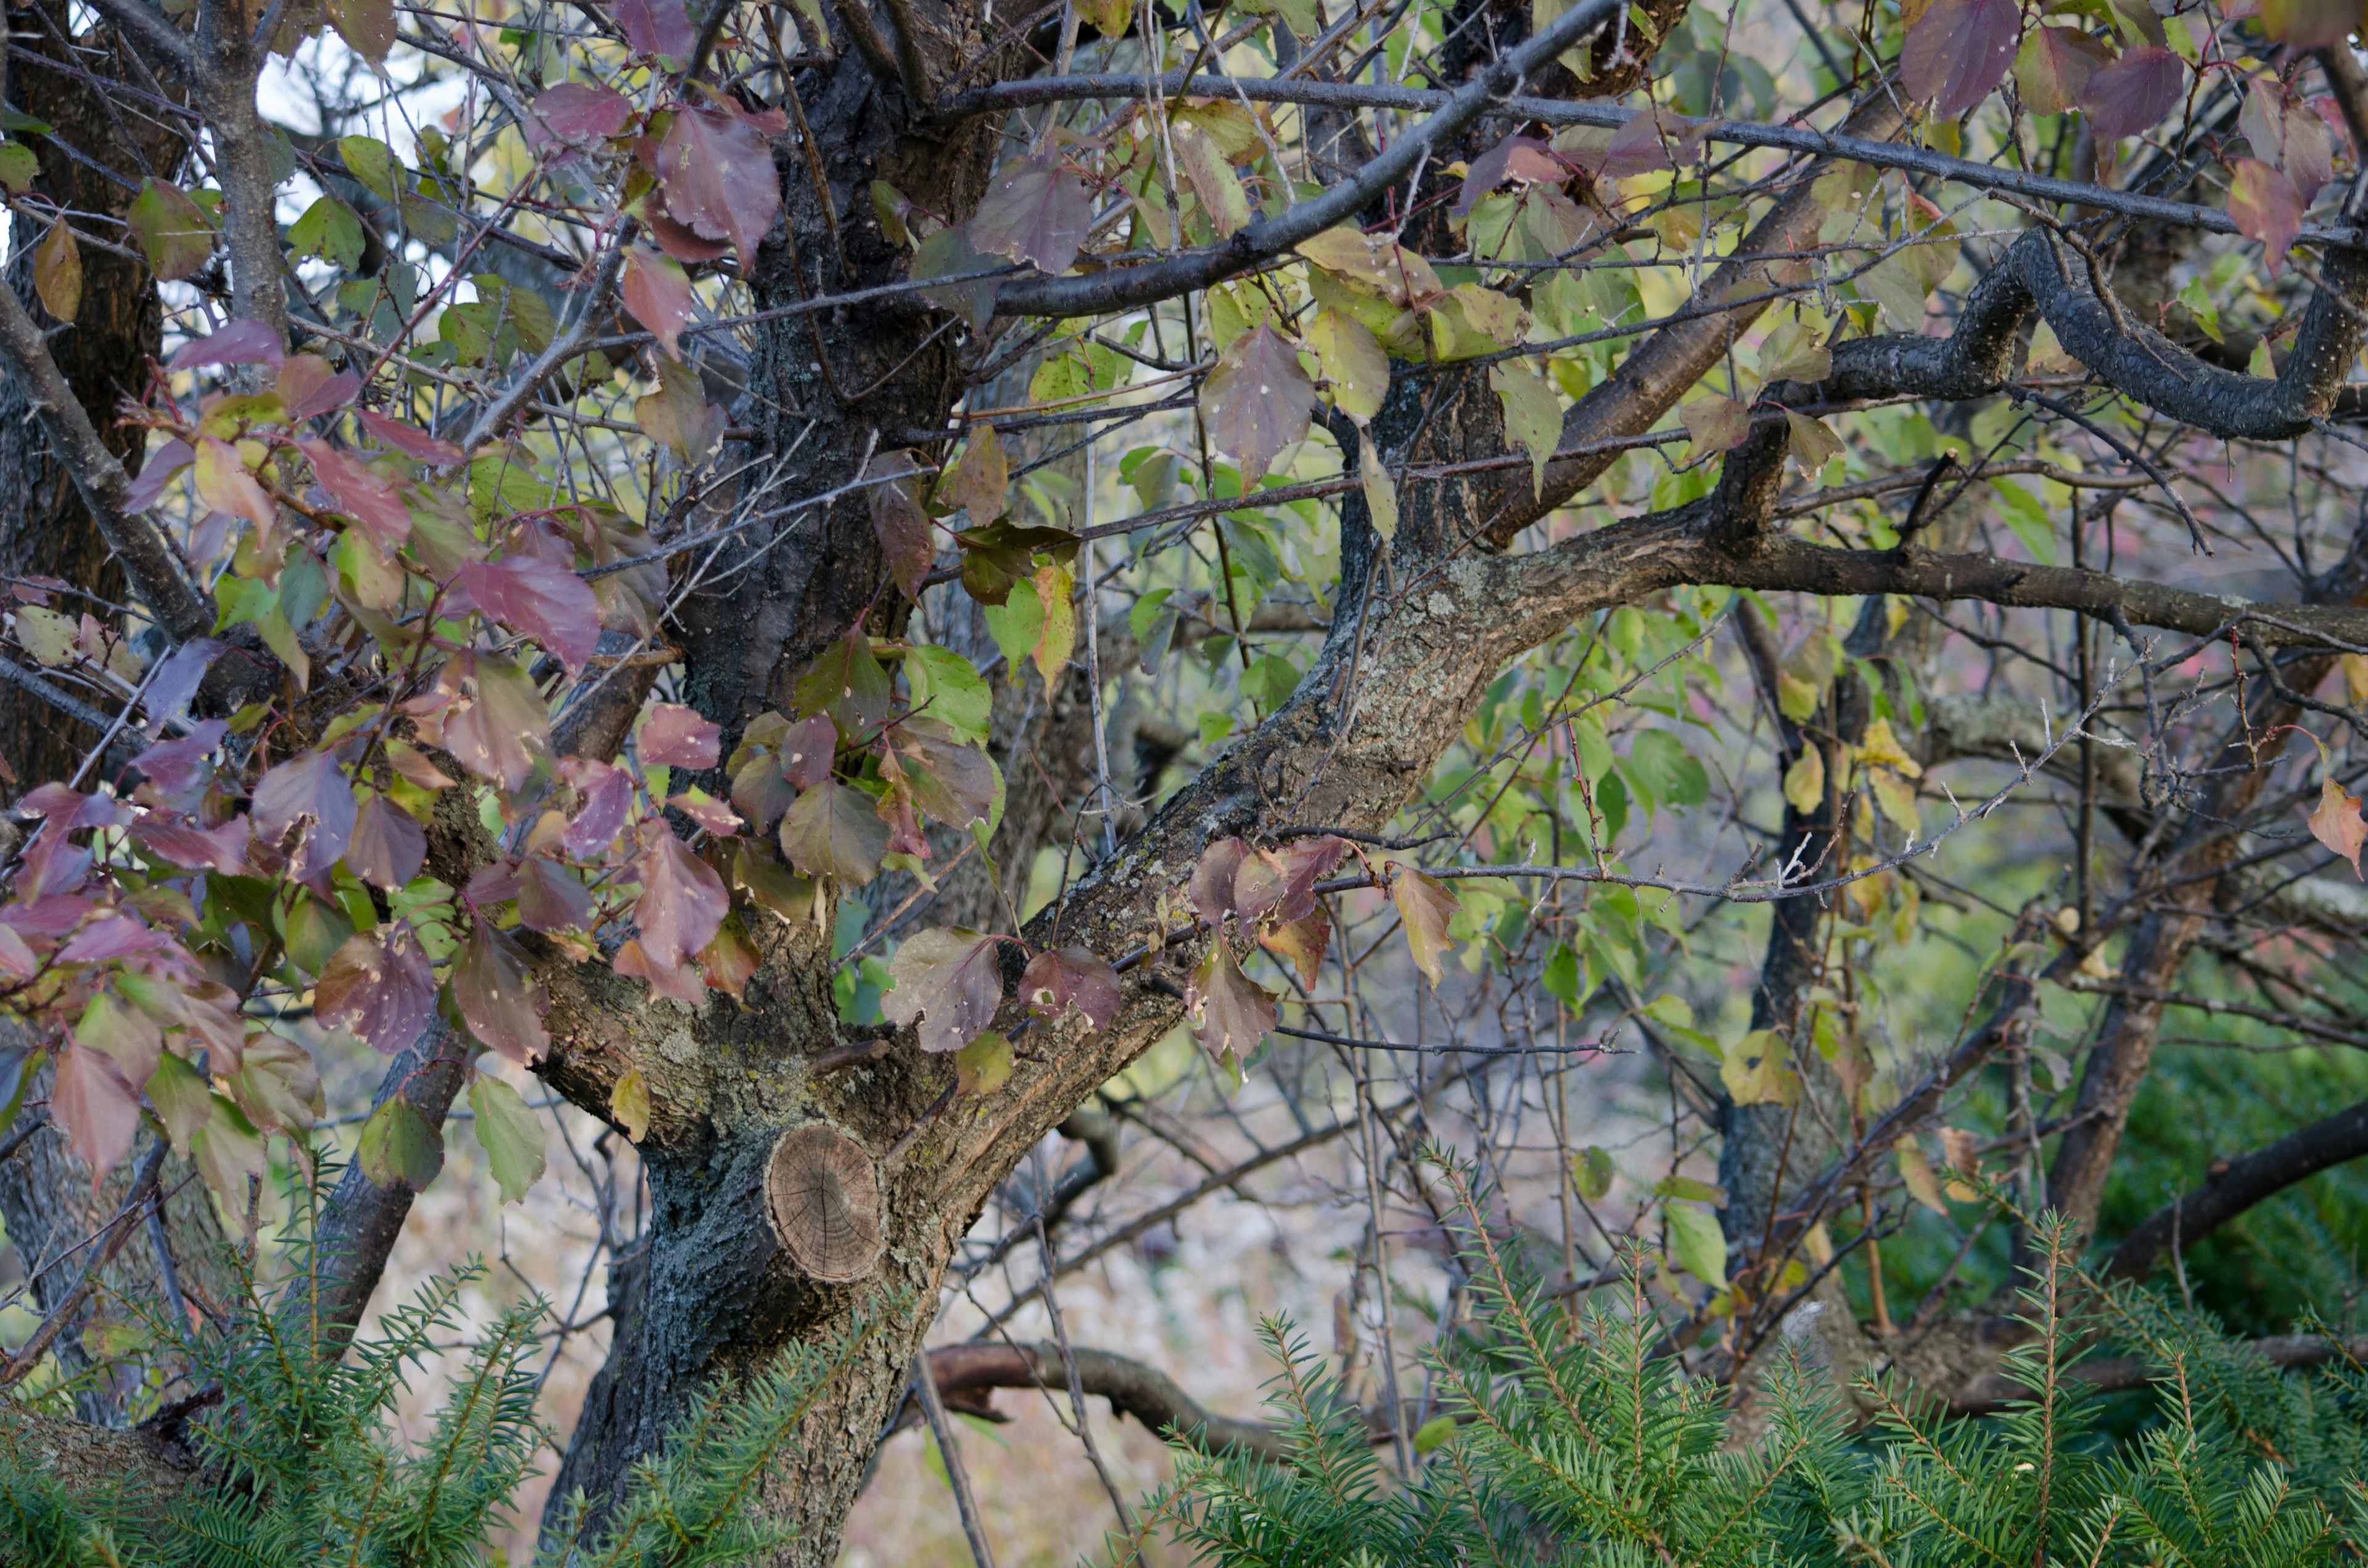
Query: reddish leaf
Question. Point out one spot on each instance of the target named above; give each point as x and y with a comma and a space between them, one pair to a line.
950, 981
1071, 977
409, 440
128, 1036
730, 961
952, 783
1034, 211
833, 831
896, 808
707, 811
225, 485
1649, 141
360, 494
718, 178
388, 845
607, 795
1257, 400
310, 788
551, 899
17, 961
99, 1110
899, 521
2337, 824
2053, 68
1425, 905
181, 766
807, 748
656, 26
678, 241
2127, 96
57, 272
679, 737
222, 849
240, 342
2265, 207
658, 291
1956, 51
380, 987
500, 1002
1230, 1012
1301, 942
309, 387
367, 25
677, 416
1282, 881
548, 602
759, 791
1516, 157
682, 902
1213, 879
500, 726
681, 982
157, 472
109, 937
576, 112
1716, 424
978, 482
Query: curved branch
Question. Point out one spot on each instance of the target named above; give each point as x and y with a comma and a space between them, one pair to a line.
1124, 288
2231, 1187
967, 1375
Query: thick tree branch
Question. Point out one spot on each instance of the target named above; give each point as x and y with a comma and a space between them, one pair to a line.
965, 1376
99, 479
1123, 287
2234, 1185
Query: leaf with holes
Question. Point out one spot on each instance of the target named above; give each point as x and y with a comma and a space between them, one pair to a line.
947, 981
847, 684
510, 1134
1071, 977
367, 26
954, 783
1425, 906
551, 899
1756, 1073
834, 830
1230, 1012
498, 999
2265, 206
1256, 401
1956, 51
717, 170
57, 272
2125, 95
657, 292
682, 902
1532, 414
388, 843
310, 788
629, 1103
502, 729
2337, 822
1303, 941
398, 1146
380, 987
1034, 211
676, 736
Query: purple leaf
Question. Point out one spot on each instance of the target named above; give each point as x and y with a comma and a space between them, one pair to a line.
309, 387
807, 748
388, 845
497, 997
1071, 977
833, 830
1228, 1010
379, 985
2267, 208
952, 783
1282, 881
185, 765
1214, 877
657, 292
708, 812
222, 849
655, 27
157, 472
607, 798
548, 602
950, 981
409, 440
578, 112
110, 936
2127, 96
1516, 157
682, 902
177, 679
677, 736
1035, 209
310, 788
683, 983
551, 899
98, 1109
367, 497
499, 730
1257, 400
240, 342
718, 173
1958, 50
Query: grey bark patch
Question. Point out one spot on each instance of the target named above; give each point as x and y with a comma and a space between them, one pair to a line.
822, 1194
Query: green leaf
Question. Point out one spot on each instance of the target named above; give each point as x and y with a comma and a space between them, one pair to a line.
1532, 414
1696, 1245
1590, 1171
19, 167
329, 230
1659, 761
397, 1145
629, 1102
510, 1134
982, 1066
951, 689
171, 230
371, 162
1434, 1433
